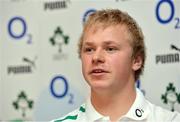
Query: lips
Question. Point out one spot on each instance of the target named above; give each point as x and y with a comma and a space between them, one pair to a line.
98, 71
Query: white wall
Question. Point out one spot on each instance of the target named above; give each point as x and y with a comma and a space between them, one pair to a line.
35, 47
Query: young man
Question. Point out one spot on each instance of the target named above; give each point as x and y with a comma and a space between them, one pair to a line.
112, 52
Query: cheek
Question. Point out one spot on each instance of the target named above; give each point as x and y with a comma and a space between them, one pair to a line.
121, 64
85, 67
85, 63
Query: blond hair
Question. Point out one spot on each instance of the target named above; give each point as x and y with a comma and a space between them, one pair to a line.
111, 17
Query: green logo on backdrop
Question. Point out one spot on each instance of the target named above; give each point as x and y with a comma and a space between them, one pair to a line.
59, 39
22, 103
171, 96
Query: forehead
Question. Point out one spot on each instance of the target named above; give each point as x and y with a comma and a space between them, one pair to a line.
107, 33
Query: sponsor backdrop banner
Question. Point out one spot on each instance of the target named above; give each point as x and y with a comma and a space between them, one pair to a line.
40, 72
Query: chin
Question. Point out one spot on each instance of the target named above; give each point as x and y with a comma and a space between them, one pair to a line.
98, 84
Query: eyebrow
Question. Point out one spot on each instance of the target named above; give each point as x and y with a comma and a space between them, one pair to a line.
110, 42
89, 43
104, 43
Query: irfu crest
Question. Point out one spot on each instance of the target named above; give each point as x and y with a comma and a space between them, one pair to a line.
171, 96
23, 103
59, 39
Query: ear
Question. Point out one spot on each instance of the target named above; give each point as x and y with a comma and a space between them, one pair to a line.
137, 63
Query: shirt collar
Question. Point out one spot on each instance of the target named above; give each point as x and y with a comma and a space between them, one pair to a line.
91, 113
138, 111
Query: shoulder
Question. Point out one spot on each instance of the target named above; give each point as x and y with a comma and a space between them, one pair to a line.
160, 114
74, 116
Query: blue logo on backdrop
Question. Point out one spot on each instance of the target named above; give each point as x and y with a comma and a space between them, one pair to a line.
171, 16
63, 91
10, 29
138, 85
87, 13
14, 32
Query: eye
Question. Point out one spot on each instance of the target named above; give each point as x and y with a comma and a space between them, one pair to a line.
110, 49
88, 49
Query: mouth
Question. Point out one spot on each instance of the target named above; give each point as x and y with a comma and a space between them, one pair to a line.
98, 71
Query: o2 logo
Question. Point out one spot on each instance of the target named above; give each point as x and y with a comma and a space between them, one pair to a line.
87, 13
59, 88
17, 29
170, 17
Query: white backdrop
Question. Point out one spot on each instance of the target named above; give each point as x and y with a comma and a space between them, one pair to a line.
40, 71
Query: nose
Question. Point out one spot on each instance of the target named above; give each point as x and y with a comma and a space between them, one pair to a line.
98, 57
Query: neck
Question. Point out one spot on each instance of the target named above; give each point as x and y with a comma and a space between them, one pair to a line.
112, 104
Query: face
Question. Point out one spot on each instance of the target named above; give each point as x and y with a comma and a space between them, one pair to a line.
106, 56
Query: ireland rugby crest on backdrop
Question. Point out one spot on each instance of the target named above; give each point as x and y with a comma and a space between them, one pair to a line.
23, 103
171, 96
59, 39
